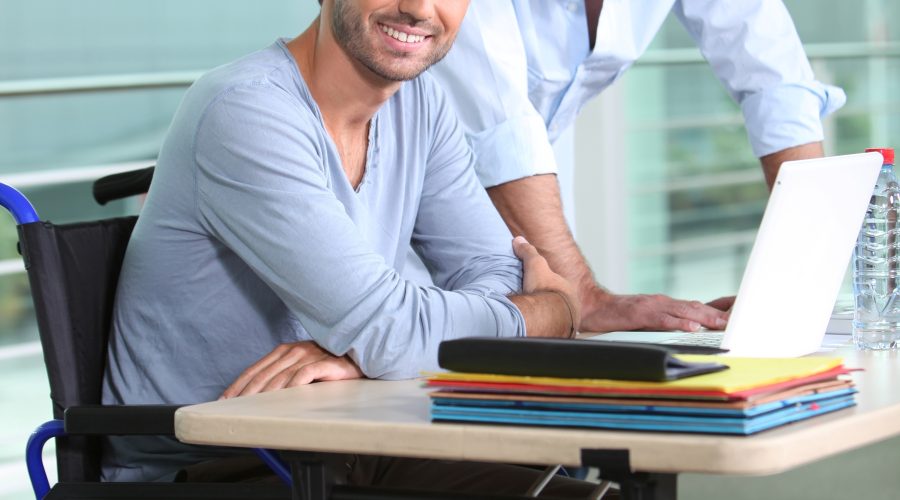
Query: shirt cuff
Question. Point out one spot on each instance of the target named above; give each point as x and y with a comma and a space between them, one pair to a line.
789, 115
512, 150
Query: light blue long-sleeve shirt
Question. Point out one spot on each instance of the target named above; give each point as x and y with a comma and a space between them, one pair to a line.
521, 70
252, 236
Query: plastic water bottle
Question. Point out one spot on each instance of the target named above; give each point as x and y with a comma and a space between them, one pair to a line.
876, 264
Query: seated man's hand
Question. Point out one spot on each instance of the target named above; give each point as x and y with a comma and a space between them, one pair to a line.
537, 277
607, 312
290, 365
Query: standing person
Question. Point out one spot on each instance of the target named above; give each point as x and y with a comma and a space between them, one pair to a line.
269, 250
522, 69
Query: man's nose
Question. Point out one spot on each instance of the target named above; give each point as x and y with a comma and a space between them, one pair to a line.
420, 10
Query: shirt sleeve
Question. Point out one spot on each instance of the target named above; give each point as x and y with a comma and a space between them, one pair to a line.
754, 49
459, 233
263, 191
485, 77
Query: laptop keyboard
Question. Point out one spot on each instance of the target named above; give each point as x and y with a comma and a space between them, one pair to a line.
706, 339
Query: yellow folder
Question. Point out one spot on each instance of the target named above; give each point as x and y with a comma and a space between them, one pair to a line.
743, 374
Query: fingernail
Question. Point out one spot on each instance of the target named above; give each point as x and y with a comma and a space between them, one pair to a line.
720, 323
520, 239
694, 326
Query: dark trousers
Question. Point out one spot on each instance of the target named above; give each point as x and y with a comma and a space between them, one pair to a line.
401, 473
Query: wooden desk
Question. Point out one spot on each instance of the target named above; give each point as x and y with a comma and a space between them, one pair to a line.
392, 418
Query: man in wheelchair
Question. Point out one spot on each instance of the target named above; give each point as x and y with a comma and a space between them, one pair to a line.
271, 247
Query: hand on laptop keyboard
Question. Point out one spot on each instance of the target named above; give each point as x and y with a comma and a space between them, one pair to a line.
606, 312
704, 338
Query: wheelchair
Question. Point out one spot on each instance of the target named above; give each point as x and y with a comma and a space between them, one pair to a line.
73, 270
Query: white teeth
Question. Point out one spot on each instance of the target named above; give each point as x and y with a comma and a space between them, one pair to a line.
403, 37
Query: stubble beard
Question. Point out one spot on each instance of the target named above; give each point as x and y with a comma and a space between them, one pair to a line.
350, 32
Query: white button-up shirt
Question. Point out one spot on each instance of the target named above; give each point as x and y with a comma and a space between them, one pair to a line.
521, 70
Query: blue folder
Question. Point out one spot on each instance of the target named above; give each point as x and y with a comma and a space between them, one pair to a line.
643, 418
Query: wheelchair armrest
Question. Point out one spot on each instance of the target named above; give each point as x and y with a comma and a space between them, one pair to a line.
134, 420
121, 420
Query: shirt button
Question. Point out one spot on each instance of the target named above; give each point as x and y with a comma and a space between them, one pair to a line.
572, 6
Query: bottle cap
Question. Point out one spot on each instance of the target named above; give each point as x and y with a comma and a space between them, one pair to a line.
887, 153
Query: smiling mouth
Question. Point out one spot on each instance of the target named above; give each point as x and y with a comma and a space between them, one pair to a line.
402, 36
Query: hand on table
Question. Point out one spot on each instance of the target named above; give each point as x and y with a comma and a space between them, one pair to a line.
606, 312
290, 365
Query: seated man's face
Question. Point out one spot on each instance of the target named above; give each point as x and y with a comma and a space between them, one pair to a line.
397, 39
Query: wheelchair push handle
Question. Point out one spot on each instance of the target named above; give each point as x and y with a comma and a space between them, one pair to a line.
17, 204
122, 185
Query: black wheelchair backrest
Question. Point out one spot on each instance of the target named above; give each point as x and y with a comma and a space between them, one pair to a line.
74, 270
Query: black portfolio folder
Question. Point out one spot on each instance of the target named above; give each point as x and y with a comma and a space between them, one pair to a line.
567, 358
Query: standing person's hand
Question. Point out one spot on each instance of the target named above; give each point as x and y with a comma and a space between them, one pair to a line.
724, 304
290, 365
531, 207
608, 312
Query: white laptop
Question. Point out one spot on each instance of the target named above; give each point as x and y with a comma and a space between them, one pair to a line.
798, 260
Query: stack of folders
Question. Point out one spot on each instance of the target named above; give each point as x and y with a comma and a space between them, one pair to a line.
751, 395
